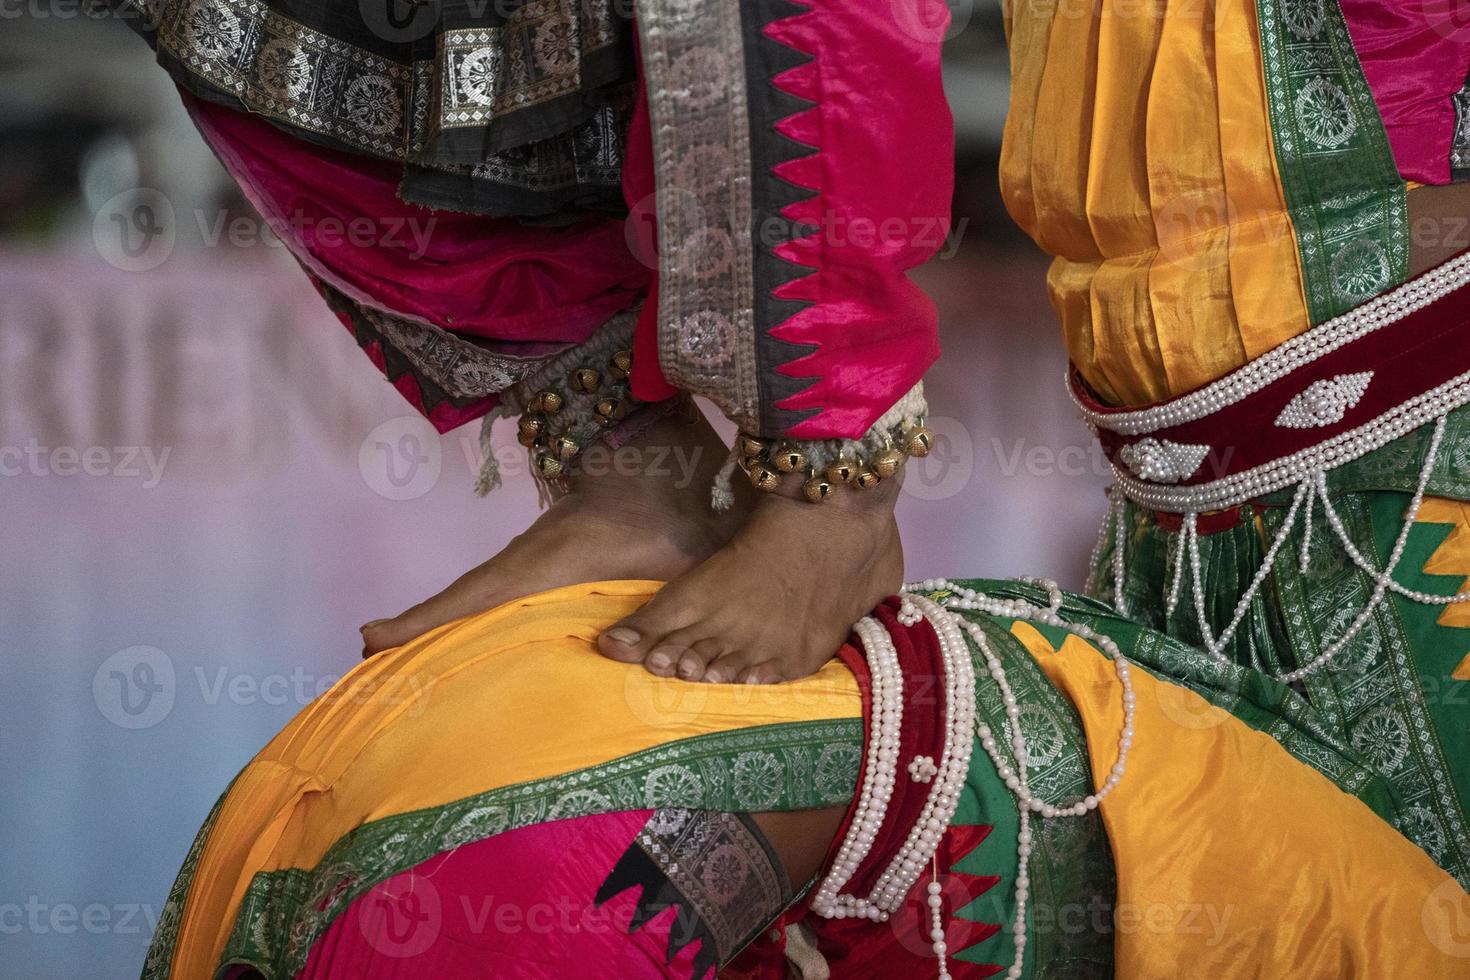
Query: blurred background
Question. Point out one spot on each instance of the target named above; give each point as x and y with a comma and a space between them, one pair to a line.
198, 511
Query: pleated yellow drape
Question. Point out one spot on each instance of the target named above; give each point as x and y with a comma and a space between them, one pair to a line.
1138, 153
1236, 860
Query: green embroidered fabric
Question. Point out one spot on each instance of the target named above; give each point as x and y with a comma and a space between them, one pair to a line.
1388, 699
769, 768
800, 765
1348, 204
1070, 928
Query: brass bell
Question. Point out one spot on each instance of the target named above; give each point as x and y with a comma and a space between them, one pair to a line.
610, 410
866, 478
586, 380
918, 441
886, 462
528, 430
548, 465
565, 447
788, 458
548, 401
817, 489
843, 470
621, 364
763, 478
750, 446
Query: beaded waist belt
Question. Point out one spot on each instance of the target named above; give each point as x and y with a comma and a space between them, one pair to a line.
1322, 399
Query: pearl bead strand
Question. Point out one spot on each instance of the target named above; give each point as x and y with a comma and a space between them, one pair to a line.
962, 598
878, 775
948, 780
1309, 492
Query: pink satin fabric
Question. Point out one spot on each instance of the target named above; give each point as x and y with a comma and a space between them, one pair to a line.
488, 277
1415, 55
516, 906
884, 172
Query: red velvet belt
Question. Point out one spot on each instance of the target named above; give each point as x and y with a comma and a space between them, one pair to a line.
1322, 399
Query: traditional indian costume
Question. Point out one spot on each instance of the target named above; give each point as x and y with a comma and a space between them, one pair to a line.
1023, 781
716, 193
1225, 188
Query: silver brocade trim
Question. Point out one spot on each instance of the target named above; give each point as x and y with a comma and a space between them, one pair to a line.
694, 71
460, 366
1301, 350
312, 81
1231, 491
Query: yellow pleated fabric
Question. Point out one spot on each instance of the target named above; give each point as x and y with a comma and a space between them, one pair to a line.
1138, 153
1236, 860
474, 706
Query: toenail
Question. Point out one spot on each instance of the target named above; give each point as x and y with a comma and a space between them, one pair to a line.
621, 634
658, 661
687, 669
714, 677
370, 624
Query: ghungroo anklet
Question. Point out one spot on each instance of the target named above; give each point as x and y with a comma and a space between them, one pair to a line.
828, 464
580, 397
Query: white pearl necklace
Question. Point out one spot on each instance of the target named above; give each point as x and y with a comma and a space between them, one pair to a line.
922, 844
947, 779
886, 681
1310, 492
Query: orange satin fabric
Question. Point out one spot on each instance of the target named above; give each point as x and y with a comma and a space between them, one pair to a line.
1239, 860
1138, 153
514, 694
1236, 860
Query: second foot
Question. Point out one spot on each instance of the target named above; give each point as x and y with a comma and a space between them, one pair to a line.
778, 600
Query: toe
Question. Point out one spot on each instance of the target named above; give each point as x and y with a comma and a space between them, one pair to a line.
622, 642
736, 666
765, 672
633, 639
712, 651
679, 655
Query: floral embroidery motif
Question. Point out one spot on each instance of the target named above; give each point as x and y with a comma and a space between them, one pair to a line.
1324, 402
555, 45
1382, 737
758, 780
1304, 18
1325, 113
213, 29
672, 785
373, 103
477, 75
284, 69
1360, 270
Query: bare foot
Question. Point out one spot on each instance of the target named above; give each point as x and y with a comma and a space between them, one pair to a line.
777, 601
618, 521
